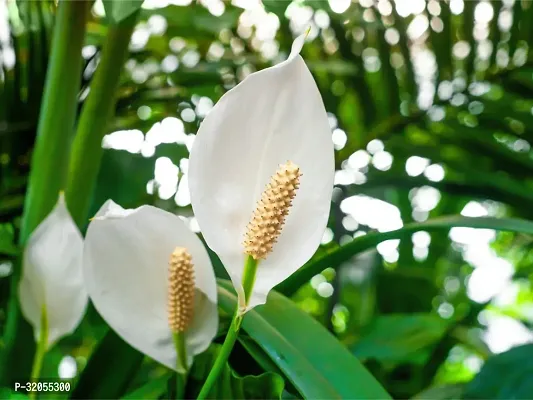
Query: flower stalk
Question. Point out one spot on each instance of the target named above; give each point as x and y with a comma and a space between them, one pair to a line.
223, 356
181, 363
250, 269
248, 277
42, 345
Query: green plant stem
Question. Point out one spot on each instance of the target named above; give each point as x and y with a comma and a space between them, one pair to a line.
42, 346
248, 280
248, 277
181, 380
181, 363
223, 356
95, 116
49, 161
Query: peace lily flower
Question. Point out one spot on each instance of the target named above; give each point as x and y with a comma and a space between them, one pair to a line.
51, 290
271, 129
151, 280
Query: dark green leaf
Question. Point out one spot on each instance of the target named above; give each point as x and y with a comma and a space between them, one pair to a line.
504, 376
152, 390
401, 338
123, 177
7, 240
259, 354
9, 394
314, 361
441, 392
114, 363
229, 385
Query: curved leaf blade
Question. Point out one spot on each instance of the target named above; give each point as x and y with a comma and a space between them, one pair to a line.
343, 253
504, 376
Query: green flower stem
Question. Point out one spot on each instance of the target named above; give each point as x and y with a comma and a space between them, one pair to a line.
181, 363
248, 277
96, 114
42, 346
223, 356
48, 167
248, 280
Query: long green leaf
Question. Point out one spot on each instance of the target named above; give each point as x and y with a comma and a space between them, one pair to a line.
336, 257
441, 392
96, 114
114, 363
401, 338
154, 389
315, 362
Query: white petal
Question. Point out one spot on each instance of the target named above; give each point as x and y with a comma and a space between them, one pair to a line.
52, 277
125, 265
273, 116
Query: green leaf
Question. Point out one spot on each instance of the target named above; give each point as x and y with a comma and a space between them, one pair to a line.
9, 394
229, 385
263, 360
152, 390
116, 11
441, 392
123, 177
7, 240
401, 338
114, 363
316, 363
341, 254
259, 354
96, 114
504, 376
195, 19
337, 67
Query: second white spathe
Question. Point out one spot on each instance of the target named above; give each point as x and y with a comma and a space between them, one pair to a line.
125, 266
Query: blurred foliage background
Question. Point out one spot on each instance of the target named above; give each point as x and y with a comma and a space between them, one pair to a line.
431, 111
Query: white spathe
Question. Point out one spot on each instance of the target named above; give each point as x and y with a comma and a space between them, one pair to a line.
52, 278
125, 265
273, 116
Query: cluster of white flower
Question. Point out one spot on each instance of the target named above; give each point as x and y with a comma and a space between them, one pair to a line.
273, 116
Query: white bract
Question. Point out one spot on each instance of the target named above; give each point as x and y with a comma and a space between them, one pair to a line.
272, 117
52, 279
125, 264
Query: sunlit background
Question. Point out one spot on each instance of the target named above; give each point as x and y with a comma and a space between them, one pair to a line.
408, 84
